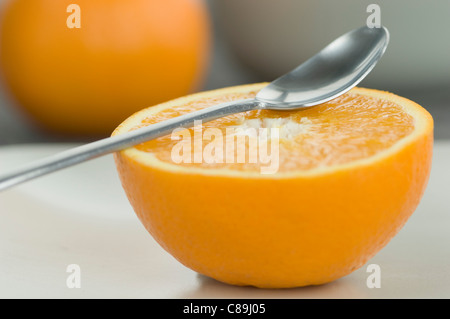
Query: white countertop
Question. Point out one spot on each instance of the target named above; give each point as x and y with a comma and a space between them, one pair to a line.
81, 216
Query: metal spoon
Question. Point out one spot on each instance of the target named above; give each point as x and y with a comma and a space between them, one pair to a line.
331, 72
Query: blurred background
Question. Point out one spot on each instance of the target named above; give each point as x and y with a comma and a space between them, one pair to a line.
258, 40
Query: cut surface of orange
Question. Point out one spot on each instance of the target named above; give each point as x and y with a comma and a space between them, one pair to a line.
349, 174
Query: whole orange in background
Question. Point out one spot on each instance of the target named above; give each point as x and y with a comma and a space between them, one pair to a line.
126, 55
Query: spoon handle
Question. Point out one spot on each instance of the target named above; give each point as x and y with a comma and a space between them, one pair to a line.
119, 142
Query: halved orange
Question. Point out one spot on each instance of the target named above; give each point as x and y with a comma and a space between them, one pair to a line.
350, 173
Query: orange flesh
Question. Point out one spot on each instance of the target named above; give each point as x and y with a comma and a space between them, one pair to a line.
348, 128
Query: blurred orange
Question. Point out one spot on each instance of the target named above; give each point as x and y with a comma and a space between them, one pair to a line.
126, 55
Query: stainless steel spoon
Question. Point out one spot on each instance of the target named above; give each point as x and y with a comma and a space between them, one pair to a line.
331, 72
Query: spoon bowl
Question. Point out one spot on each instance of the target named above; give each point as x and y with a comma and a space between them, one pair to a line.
333, 71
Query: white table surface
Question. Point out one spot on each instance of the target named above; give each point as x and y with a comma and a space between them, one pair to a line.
81, 216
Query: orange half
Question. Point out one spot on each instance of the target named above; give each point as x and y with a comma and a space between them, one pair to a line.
348, 175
